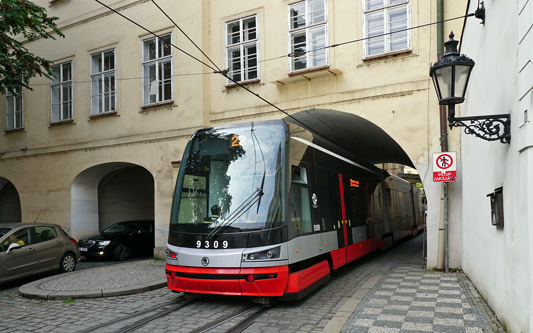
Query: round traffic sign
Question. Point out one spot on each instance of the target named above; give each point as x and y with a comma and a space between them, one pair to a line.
444, 161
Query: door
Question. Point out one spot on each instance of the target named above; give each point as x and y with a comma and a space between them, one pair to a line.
354, 205
357, 221
19, 261
49, 246
342, 232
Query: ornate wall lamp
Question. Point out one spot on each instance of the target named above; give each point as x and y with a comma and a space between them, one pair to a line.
450, 76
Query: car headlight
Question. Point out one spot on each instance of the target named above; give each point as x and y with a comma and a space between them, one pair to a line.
104, 242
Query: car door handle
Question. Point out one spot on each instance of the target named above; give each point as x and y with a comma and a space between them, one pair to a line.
31, 249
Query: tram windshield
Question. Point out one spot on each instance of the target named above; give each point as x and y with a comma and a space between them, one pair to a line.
231, 180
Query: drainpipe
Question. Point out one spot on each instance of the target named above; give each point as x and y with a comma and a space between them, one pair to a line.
442, 254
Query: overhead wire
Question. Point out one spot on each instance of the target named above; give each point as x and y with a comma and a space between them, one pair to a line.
125, 78
224, 72
156, 35
183, 32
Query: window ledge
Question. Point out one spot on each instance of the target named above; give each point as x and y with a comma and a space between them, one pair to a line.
61, 122
387, 55
308, 75
15, 130
156, 106
241, 83
103, 115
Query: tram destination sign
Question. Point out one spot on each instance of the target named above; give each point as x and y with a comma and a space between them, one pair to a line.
444, 167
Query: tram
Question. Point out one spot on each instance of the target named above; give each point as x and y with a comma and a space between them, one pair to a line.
268, 210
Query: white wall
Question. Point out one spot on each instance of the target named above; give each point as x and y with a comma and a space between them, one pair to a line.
498, 260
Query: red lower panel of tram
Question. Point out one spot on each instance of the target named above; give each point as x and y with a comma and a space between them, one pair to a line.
354, 251
264, 281
299, 281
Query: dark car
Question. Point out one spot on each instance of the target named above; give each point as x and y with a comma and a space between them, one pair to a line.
32, 248
120, 241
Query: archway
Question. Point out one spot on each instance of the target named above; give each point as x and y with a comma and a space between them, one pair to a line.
10, 209
110, 193
362, 139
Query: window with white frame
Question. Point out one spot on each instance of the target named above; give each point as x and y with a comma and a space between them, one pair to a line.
157, 69
385, 26
62, 92
241, 49
103, 75
308, 35
14, 108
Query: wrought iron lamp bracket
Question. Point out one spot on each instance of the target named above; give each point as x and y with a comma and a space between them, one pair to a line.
489, 128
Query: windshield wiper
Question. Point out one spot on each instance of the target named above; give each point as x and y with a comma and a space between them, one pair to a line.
254, 138
237, 213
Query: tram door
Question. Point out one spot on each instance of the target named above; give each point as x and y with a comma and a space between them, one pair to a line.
342, 233
354, 216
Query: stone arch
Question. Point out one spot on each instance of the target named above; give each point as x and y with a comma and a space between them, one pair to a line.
109, 193
10, 208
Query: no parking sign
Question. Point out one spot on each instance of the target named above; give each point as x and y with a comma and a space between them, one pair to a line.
444, 167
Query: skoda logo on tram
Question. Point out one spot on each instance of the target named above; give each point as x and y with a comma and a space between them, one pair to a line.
205, 261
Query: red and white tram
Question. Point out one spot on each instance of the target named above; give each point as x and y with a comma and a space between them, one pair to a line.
265, 209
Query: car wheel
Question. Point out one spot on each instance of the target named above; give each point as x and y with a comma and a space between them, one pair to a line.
122, 252
68, 263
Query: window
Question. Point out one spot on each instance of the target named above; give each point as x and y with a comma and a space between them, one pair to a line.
62, 92
103, 91
381, 19
45, 233
21, 237
299, 201
157, 69
14, 108
308, 35
241, 49
496, 207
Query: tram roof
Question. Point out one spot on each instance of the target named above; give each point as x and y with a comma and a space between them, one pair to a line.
351, 133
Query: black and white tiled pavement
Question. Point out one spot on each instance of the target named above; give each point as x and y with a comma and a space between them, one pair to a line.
409, 299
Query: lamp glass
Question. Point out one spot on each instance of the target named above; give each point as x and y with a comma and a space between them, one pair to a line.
444, 79
462, 74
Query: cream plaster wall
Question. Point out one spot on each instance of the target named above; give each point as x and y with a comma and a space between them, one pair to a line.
394, 92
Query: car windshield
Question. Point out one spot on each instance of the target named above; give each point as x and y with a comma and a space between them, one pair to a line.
232, 176
121, 227
4, 230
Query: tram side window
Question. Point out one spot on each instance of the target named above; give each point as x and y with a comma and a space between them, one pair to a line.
300, 207
357, 207
377, 210
329, 203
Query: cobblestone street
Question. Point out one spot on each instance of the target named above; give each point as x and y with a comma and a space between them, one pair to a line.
386, 292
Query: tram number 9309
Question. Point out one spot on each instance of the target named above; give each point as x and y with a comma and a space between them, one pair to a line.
208, 245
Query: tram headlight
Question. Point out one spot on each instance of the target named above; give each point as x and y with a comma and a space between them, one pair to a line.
171, 257
266, 254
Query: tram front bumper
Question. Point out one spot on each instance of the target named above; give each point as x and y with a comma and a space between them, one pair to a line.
263, 281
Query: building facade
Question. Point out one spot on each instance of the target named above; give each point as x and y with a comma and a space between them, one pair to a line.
101, 142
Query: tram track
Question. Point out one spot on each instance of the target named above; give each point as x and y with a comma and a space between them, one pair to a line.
249, 313
234, 322
139, 323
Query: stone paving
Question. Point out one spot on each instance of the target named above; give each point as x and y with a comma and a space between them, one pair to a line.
408, 299
388, 292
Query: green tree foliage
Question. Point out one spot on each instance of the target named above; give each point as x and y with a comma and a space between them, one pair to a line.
22, 21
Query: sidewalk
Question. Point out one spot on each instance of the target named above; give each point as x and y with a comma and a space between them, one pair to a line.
114, 280
409, 299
